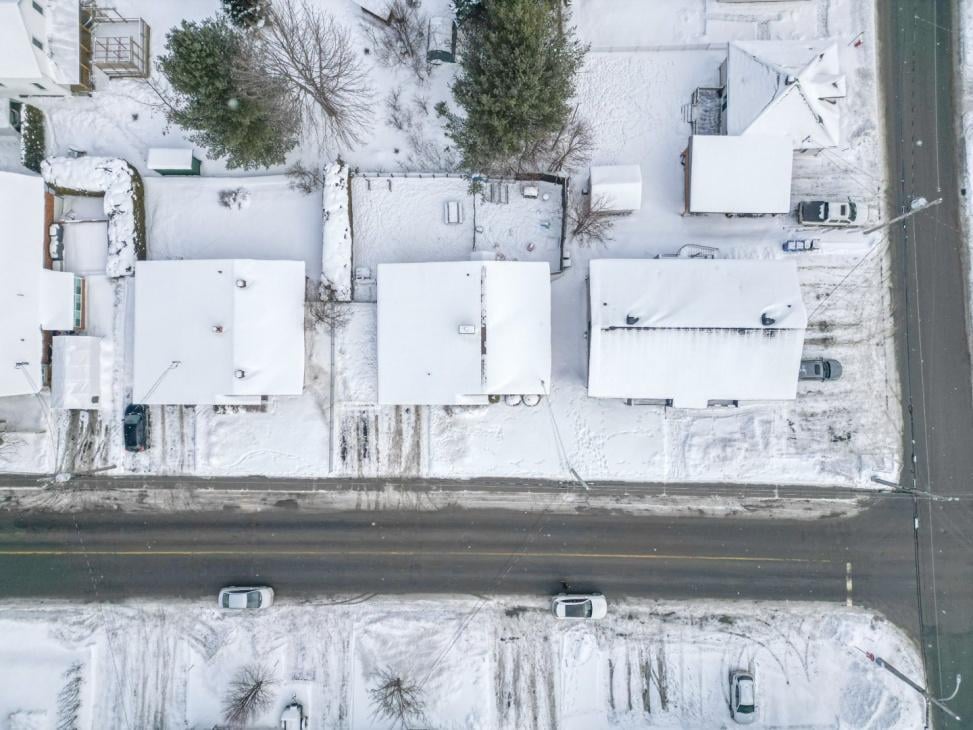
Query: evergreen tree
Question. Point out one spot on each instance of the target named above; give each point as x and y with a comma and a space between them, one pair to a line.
245, 13
517, 78
250, 130
466, 10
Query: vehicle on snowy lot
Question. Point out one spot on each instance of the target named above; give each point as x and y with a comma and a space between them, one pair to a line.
827, 213
579, 606
293, 717
743, 697
246, 597
135, 427
797, 245
820, 368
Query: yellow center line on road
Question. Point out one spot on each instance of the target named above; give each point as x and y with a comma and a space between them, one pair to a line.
309, 552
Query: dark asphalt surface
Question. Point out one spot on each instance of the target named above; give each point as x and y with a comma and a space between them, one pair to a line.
918, 58
111, 555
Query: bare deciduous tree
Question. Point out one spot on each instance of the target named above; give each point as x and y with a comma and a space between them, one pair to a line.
397, 699
589, 221
249, 694
404, 39
564, 151
305, 180
306, 52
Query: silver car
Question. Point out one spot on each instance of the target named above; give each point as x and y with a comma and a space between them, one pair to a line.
820, 368
743, 697
579, 606
246, 597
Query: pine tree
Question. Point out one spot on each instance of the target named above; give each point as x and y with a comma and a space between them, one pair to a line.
245, 13
466, 10
517, 78
251, 131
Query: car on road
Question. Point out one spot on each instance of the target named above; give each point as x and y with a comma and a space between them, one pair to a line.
820, 368
798, 245
827, 213
135, 427
579, 606
246, 597
743, 697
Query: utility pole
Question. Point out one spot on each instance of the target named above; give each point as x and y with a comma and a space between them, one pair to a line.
916, 206
921, 690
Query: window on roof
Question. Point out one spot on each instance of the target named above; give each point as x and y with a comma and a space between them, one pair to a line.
38, 7
37, 43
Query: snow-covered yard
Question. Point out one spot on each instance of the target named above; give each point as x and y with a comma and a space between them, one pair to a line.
639, 75
662, 665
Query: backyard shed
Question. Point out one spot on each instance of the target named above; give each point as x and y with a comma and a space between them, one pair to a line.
460, 332
173, 161
750, 174
692, 332
616, 188
75, 372
441, 40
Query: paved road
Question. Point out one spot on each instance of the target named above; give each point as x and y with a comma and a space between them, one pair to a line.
932, 308
108, 555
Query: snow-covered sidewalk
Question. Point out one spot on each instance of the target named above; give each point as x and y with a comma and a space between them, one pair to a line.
658, 664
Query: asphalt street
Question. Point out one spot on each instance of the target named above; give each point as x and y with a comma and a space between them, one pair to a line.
918, 63
113, 555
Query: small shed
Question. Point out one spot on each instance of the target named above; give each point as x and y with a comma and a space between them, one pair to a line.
173, 161
748, 175
75, 372
441, 40
616, 188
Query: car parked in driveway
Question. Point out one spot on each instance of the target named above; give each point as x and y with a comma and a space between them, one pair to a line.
135, 427
827, 213
799, 245
820, 368
579, 606
246, 597
743, 697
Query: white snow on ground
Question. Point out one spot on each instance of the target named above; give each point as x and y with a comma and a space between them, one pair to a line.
636, 81
336, 239
186, 220
964, 110
513, 666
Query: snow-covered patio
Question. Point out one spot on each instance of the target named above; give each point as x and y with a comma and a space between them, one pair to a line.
661, 663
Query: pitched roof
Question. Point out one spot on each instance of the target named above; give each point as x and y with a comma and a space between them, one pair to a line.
745, 174
457, 332
60, 59
690, 330
785, 87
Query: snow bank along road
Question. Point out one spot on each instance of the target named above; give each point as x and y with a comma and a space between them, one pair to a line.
867, 560
931, 308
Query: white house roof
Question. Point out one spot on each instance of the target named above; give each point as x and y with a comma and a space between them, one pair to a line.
690, 330
75, 372
60, 59
457, 332
180, 304
21, 263
748, 174
785, 87
619, 186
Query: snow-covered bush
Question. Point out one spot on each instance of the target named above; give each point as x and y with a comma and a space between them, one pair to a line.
235, 198
124, 202
32, 141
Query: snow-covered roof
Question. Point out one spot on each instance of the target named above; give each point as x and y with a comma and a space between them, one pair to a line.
85, 246
456, 332
690, 330
75, 372
619, 186
31, 297
170, 158
785, 87
748, 174
180, 307
57, 29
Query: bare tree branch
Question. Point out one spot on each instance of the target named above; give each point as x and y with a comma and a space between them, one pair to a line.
397, 699
402, 41
307, 53
590, 221
249, 694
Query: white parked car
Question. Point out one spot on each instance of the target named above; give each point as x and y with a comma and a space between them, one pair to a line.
579, 606
827, 213
293, 717
743, 697
246, 597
